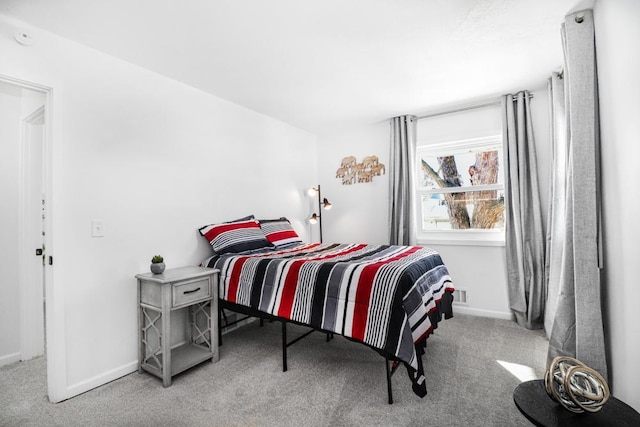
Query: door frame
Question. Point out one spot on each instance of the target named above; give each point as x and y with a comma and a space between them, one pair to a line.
55, 313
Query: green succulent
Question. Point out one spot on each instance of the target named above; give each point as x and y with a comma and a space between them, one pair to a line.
157, 259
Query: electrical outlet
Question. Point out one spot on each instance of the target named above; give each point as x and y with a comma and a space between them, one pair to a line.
97, 228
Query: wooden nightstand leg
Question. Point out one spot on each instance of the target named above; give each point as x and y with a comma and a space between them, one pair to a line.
213, 307
191, 321
166, 335
141, 349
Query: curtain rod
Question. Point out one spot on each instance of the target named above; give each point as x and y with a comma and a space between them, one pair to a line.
466, 107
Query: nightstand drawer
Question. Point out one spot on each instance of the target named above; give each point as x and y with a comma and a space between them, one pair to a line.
188, 292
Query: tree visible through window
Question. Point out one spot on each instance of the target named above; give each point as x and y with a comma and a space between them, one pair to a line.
462, 185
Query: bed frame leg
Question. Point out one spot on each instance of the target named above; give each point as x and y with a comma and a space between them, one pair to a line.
284, 346
389, 392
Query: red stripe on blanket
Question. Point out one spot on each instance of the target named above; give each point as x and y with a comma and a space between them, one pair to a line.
291, 281
289, 289
234, 279
363, 293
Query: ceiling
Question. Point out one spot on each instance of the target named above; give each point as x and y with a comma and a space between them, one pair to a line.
323, 65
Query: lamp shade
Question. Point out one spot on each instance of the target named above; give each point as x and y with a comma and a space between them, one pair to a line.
313, 219
326, 204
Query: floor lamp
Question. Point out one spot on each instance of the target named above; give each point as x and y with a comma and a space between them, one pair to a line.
323, 203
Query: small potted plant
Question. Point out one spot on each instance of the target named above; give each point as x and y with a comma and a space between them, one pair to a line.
157, 264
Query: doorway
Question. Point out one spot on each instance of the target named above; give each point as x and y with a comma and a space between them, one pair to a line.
24, 171
32, 229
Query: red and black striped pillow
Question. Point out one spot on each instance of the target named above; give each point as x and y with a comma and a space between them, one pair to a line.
237, 236
279, 232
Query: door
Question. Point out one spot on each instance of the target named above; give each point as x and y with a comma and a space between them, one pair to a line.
32, 227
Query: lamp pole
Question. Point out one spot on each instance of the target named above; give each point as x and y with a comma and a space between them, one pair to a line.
320, 212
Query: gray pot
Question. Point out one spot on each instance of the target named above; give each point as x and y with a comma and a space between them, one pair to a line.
157, 268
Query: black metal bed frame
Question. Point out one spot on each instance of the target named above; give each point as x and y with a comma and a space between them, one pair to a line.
391, 364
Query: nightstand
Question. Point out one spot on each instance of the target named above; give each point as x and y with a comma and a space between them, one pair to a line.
160, 296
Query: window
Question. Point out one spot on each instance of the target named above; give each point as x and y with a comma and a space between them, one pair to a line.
461, 191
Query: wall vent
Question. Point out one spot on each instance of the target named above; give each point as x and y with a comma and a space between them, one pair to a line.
460, 296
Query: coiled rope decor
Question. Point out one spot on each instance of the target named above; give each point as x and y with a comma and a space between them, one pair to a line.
575, 386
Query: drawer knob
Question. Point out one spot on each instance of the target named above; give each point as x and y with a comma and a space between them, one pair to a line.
191, 291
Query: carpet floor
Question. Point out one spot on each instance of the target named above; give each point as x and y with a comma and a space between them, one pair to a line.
472, 366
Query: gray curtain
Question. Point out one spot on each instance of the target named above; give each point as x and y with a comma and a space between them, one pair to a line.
558, 197
402, 165
574, 271
524, 237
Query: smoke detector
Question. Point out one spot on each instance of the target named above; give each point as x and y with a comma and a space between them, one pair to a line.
23, 37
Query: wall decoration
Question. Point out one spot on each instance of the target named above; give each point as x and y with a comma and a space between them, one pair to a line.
352, 172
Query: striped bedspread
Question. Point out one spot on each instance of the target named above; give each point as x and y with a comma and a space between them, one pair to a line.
388, 297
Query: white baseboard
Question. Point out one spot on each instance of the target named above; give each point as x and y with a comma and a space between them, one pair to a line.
98, 380
10, 358
459, 308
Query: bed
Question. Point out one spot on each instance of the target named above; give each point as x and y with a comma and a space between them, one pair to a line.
390, 298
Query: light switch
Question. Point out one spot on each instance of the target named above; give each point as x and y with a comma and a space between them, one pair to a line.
97, 228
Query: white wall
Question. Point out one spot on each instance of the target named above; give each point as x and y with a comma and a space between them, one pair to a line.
155, 160
360, 211
617, 27
10, 112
